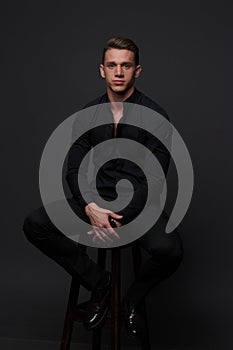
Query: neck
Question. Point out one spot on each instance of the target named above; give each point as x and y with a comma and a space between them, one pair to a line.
118, 97
117, 108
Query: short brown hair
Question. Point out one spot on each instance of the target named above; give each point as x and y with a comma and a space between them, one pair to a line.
122, 44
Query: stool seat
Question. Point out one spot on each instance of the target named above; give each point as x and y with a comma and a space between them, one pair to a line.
76, 312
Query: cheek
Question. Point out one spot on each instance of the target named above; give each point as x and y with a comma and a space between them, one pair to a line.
108, 76
130, 76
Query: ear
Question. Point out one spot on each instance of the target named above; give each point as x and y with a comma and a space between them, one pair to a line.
102, 72
137, 71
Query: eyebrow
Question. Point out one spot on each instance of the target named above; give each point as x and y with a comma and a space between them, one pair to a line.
126, 62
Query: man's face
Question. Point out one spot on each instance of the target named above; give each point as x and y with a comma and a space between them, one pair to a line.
119, 70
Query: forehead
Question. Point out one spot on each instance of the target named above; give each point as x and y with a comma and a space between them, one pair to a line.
118, 55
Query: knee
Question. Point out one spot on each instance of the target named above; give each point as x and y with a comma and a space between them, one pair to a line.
177, 253
170, 252
31, 226
28, 226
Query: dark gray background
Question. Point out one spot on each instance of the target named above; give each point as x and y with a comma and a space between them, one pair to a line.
50, 57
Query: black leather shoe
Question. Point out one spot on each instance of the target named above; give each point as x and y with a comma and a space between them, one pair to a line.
98, 306
134, 320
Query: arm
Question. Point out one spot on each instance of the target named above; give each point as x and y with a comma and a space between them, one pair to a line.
157, 179
99, 217
78, 150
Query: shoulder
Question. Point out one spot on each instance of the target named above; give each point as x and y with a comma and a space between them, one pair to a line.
148, 102
96, 101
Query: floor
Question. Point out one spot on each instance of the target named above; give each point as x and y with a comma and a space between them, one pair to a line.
25, 344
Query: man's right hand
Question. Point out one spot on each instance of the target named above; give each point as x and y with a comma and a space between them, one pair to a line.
99, 217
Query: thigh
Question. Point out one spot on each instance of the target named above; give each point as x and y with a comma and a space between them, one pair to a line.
39, 222
159, 243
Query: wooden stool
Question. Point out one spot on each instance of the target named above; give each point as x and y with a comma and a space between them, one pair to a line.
76, 312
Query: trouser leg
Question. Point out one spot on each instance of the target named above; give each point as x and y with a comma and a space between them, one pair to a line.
165, 255
43, 234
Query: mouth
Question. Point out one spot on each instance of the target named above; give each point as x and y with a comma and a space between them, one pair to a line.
118, 82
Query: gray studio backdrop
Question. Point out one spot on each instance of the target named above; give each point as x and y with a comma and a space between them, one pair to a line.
51, 53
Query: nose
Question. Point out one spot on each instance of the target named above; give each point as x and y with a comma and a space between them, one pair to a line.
119, 71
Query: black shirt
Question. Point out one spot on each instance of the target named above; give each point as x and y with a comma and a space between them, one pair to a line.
110, 173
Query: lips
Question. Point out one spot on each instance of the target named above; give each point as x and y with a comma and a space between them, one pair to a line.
118, 81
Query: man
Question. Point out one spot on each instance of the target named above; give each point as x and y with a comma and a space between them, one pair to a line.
120, 67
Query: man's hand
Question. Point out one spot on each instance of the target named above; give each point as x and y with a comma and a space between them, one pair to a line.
102, 230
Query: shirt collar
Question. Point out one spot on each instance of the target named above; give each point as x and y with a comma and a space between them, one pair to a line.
133, 98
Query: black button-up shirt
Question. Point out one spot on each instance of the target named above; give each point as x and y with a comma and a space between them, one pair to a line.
116, 169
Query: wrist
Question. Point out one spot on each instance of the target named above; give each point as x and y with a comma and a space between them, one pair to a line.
88, 206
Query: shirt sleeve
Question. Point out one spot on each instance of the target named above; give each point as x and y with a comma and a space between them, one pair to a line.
157, 178
79, 148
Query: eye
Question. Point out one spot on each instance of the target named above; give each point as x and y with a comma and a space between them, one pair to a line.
127, 65
110, 65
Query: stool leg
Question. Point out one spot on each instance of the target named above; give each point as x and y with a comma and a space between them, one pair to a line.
116, 298
97, 334
96, 339
137, 262
145, 341
69, 321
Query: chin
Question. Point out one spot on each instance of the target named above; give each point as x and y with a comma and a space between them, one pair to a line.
119, 89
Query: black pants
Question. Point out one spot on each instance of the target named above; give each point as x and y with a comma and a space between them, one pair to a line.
165, 252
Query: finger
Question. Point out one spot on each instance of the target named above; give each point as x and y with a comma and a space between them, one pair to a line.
111, 229
116, 216
101, 232
98, 242
113, 233
105, 234
98, 235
